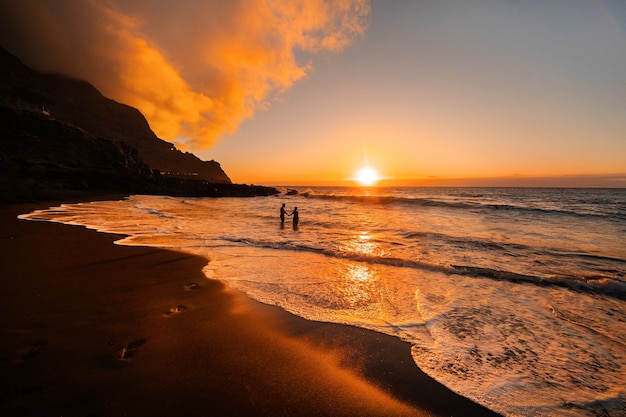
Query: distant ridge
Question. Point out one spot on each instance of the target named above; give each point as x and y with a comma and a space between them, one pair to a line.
58, 133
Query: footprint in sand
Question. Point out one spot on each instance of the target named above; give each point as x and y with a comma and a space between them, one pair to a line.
129, 350
34, 349
175, 310
178, 309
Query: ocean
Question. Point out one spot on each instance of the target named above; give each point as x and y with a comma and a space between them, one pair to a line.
512, 297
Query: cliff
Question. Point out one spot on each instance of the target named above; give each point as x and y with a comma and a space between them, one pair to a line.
58, 133
79, 103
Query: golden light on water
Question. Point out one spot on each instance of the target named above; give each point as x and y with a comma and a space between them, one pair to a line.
364, 244
358, 288
359, 273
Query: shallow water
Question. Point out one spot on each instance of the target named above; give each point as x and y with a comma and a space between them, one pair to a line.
515, 298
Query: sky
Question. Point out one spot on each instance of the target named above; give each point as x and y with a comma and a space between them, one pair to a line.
441, 92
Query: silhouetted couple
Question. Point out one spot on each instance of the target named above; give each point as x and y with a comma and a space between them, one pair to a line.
294, 213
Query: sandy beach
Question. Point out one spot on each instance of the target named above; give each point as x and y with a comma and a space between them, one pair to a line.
92, 328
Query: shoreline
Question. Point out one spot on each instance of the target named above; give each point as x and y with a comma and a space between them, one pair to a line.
93, 328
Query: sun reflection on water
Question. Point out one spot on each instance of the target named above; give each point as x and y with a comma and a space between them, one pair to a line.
364, 244
359, 273
359, 288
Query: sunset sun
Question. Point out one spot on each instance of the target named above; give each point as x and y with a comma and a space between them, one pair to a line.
367, 176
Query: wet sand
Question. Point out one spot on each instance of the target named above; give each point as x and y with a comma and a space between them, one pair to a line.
95, 329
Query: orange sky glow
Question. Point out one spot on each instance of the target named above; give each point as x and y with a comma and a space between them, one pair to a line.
470, 92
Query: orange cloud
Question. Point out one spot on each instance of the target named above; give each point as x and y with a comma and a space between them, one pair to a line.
196, 70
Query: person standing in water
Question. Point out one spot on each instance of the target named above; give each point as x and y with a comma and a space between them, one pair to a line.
282, 214
296, 217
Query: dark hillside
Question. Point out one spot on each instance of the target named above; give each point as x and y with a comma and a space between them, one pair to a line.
59, 135
80, 104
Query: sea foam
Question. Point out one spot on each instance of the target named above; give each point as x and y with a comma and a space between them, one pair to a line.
513, 298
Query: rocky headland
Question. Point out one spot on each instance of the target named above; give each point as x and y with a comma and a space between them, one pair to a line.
61, 135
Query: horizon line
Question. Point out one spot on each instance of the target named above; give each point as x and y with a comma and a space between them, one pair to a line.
517, 181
